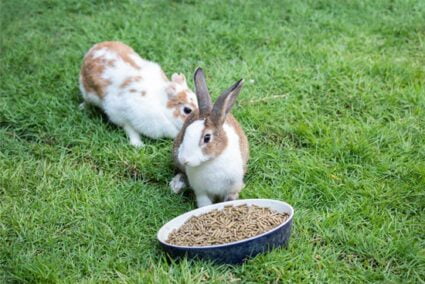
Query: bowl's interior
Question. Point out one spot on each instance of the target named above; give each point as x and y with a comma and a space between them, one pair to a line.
175, 223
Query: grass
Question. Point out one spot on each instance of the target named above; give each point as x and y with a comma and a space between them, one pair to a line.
334, 108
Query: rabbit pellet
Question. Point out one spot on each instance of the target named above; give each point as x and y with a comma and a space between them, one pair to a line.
231, 224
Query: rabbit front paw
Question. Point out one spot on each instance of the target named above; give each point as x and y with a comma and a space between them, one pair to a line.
177, 183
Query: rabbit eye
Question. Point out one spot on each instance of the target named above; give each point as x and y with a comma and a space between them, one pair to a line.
187, 110
207, 138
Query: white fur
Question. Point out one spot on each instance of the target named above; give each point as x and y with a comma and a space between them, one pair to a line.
217, 177
177, 183
189, 152
137, 114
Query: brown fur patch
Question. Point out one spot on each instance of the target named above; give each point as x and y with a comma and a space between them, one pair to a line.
176, 101
91, 74
132, 91
143, 93
93, 68
219, 140
123, 51
130, 80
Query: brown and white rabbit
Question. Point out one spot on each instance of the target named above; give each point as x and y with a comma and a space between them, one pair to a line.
135, 93
211, 149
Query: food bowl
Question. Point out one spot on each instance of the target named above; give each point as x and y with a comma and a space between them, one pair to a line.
234, 252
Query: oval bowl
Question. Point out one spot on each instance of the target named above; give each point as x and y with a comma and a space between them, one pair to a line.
234, 252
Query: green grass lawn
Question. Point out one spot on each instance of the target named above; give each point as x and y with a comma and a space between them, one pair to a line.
333, 106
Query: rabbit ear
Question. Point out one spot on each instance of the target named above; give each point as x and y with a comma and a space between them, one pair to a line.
178, 78
202, 94
224, 103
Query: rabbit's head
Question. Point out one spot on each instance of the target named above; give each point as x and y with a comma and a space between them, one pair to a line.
181, 100
204, 134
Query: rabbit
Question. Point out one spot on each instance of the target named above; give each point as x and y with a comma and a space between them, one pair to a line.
135, 93
211, 150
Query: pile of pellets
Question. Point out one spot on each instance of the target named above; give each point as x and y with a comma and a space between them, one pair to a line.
231, 224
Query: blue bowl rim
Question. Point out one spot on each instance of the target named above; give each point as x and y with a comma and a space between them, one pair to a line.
214, 206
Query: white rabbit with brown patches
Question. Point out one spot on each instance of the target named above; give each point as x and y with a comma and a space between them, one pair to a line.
135, 93
211, 149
